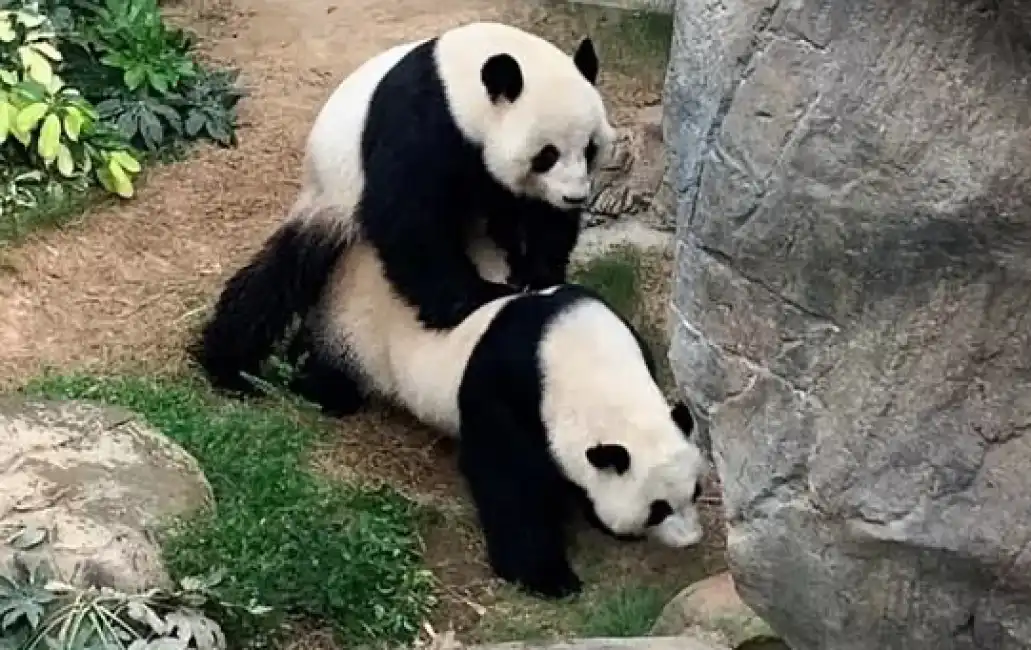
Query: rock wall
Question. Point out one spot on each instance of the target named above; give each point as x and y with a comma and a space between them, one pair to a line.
853, 309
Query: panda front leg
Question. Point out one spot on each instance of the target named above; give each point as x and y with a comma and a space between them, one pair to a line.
517, 495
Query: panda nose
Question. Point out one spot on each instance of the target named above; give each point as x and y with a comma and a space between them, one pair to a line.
575, 200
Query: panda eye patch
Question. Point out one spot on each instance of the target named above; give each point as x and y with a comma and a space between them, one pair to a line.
545, 159
660, 509
590, 152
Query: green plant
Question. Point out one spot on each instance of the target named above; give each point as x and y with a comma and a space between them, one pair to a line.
55, 125
131, 36
39, 611
142, 116
345, 554
209, 104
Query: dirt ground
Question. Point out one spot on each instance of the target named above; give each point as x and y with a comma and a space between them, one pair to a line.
124, 286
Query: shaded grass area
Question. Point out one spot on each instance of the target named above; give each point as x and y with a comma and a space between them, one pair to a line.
347, 555
634, 43
619, 277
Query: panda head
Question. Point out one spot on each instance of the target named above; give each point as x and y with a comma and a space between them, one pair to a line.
533, 110
550, 130
651, 491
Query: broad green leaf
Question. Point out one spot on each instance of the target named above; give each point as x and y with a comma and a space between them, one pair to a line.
47, 50
7, 33
119, 179
29, 116
73, 123
49, 138
9, 77
151, 130
126, 161
35, 65
6, 113
65, 161
133, 77
194, 123
30, 20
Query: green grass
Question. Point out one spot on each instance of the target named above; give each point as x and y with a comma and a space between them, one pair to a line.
617, 277
341, 554
629, 612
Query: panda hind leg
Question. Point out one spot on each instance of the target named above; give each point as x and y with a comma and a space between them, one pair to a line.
323, 379
514, 490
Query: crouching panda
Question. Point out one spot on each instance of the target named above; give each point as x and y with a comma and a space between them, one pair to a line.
549, 393
414, 148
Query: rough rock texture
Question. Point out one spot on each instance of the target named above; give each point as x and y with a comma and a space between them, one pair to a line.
644, 643
854, 309
712, 607
628, 183
96, 480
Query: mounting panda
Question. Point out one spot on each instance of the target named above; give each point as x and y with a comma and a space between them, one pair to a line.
416, 147
548, 392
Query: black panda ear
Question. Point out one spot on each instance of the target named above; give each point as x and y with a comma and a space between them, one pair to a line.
681, 414
614, 457
586, 60
502, 77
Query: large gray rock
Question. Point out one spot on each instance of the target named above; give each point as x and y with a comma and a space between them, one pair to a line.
84, 487
854, 309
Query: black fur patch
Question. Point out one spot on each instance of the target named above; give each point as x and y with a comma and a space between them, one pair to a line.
681, 414
609, 457
424, 184
502, 77
257, 303
586, 60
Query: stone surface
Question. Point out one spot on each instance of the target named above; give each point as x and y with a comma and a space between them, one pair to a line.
626, 186
713, 606
643, 643
853, 305
98, 481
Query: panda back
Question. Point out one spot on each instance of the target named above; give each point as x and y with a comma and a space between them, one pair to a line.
333, 157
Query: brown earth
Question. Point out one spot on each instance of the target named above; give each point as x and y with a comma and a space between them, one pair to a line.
124, 286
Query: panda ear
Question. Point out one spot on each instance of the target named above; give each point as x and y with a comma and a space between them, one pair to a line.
614, 457
586, 60
681, 415
502, 77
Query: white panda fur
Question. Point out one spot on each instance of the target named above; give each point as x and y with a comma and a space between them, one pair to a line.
598, 389
413, 148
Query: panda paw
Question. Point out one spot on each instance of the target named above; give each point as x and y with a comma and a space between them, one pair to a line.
556, 584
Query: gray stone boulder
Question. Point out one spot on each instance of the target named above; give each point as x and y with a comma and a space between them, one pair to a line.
83, 487
853, 309
712, 608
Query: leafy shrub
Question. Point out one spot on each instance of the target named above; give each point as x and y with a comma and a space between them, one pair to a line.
55, 126
39, 611
86, 84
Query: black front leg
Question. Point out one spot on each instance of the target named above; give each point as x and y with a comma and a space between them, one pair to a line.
426, 260
539, 251
519, 502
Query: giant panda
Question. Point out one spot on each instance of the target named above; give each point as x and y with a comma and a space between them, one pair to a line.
484, 122
548, 392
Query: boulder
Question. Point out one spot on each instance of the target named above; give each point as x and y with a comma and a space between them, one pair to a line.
642, 643
84, 487
853, 309
713, 607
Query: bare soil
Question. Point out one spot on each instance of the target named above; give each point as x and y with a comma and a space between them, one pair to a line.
124, 286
